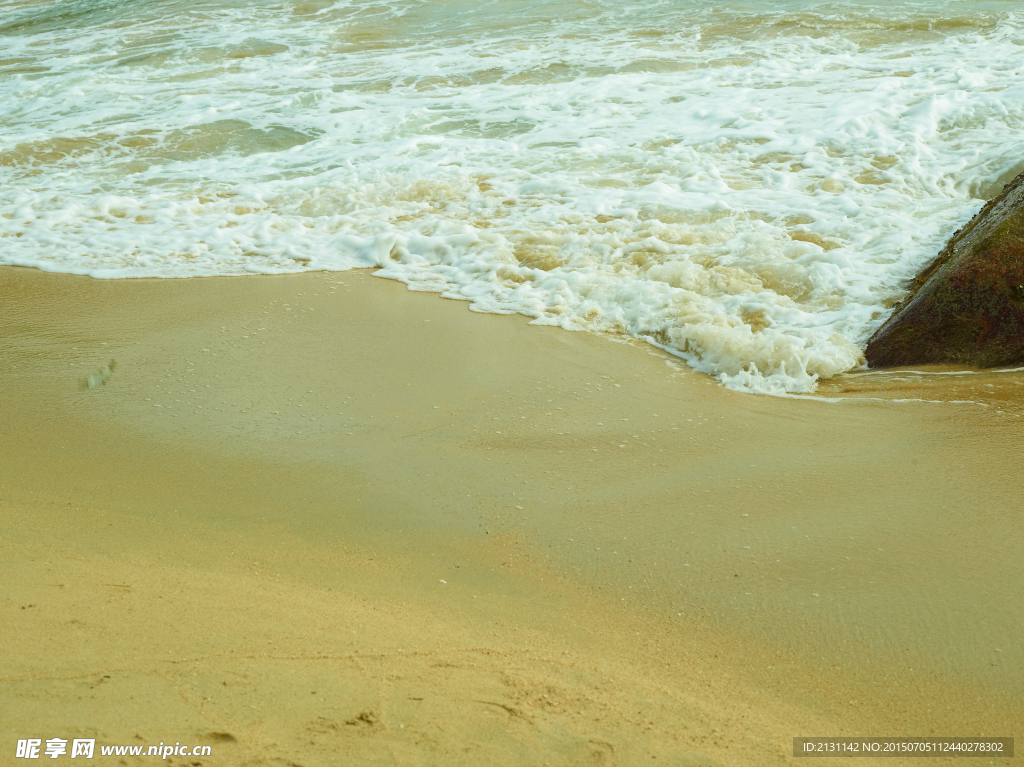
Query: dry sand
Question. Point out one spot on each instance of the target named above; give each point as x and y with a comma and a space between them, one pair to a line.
322, 520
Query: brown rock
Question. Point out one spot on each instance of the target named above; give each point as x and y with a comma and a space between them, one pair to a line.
967, 307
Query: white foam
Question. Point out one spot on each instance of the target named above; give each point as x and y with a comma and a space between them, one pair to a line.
747, 189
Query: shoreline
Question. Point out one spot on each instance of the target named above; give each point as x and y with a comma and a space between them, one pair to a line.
323, 451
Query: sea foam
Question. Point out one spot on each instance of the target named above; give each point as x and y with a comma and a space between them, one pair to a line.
749, 189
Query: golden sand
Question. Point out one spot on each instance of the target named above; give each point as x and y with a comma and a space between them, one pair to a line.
322, 520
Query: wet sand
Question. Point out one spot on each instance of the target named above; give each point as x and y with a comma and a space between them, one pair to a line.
320, 519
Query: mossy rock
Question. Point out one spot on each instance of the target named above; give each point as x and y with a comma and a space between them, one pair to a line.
967, 306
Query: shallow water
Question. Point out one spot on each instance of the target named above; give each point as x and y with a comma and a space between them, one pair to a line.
748, 186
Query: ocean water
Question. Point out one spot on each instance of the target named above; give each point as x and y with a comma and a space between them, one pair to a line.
747, 185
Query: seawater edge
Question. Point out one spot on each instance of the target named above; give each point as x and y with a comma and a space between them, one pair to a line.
752, 184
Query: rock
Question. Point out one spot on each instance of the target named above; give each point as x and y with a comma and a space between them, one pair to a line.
967, 307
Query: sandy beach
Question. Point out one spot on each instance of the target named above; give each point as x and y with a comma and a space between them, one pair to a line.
323, 520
